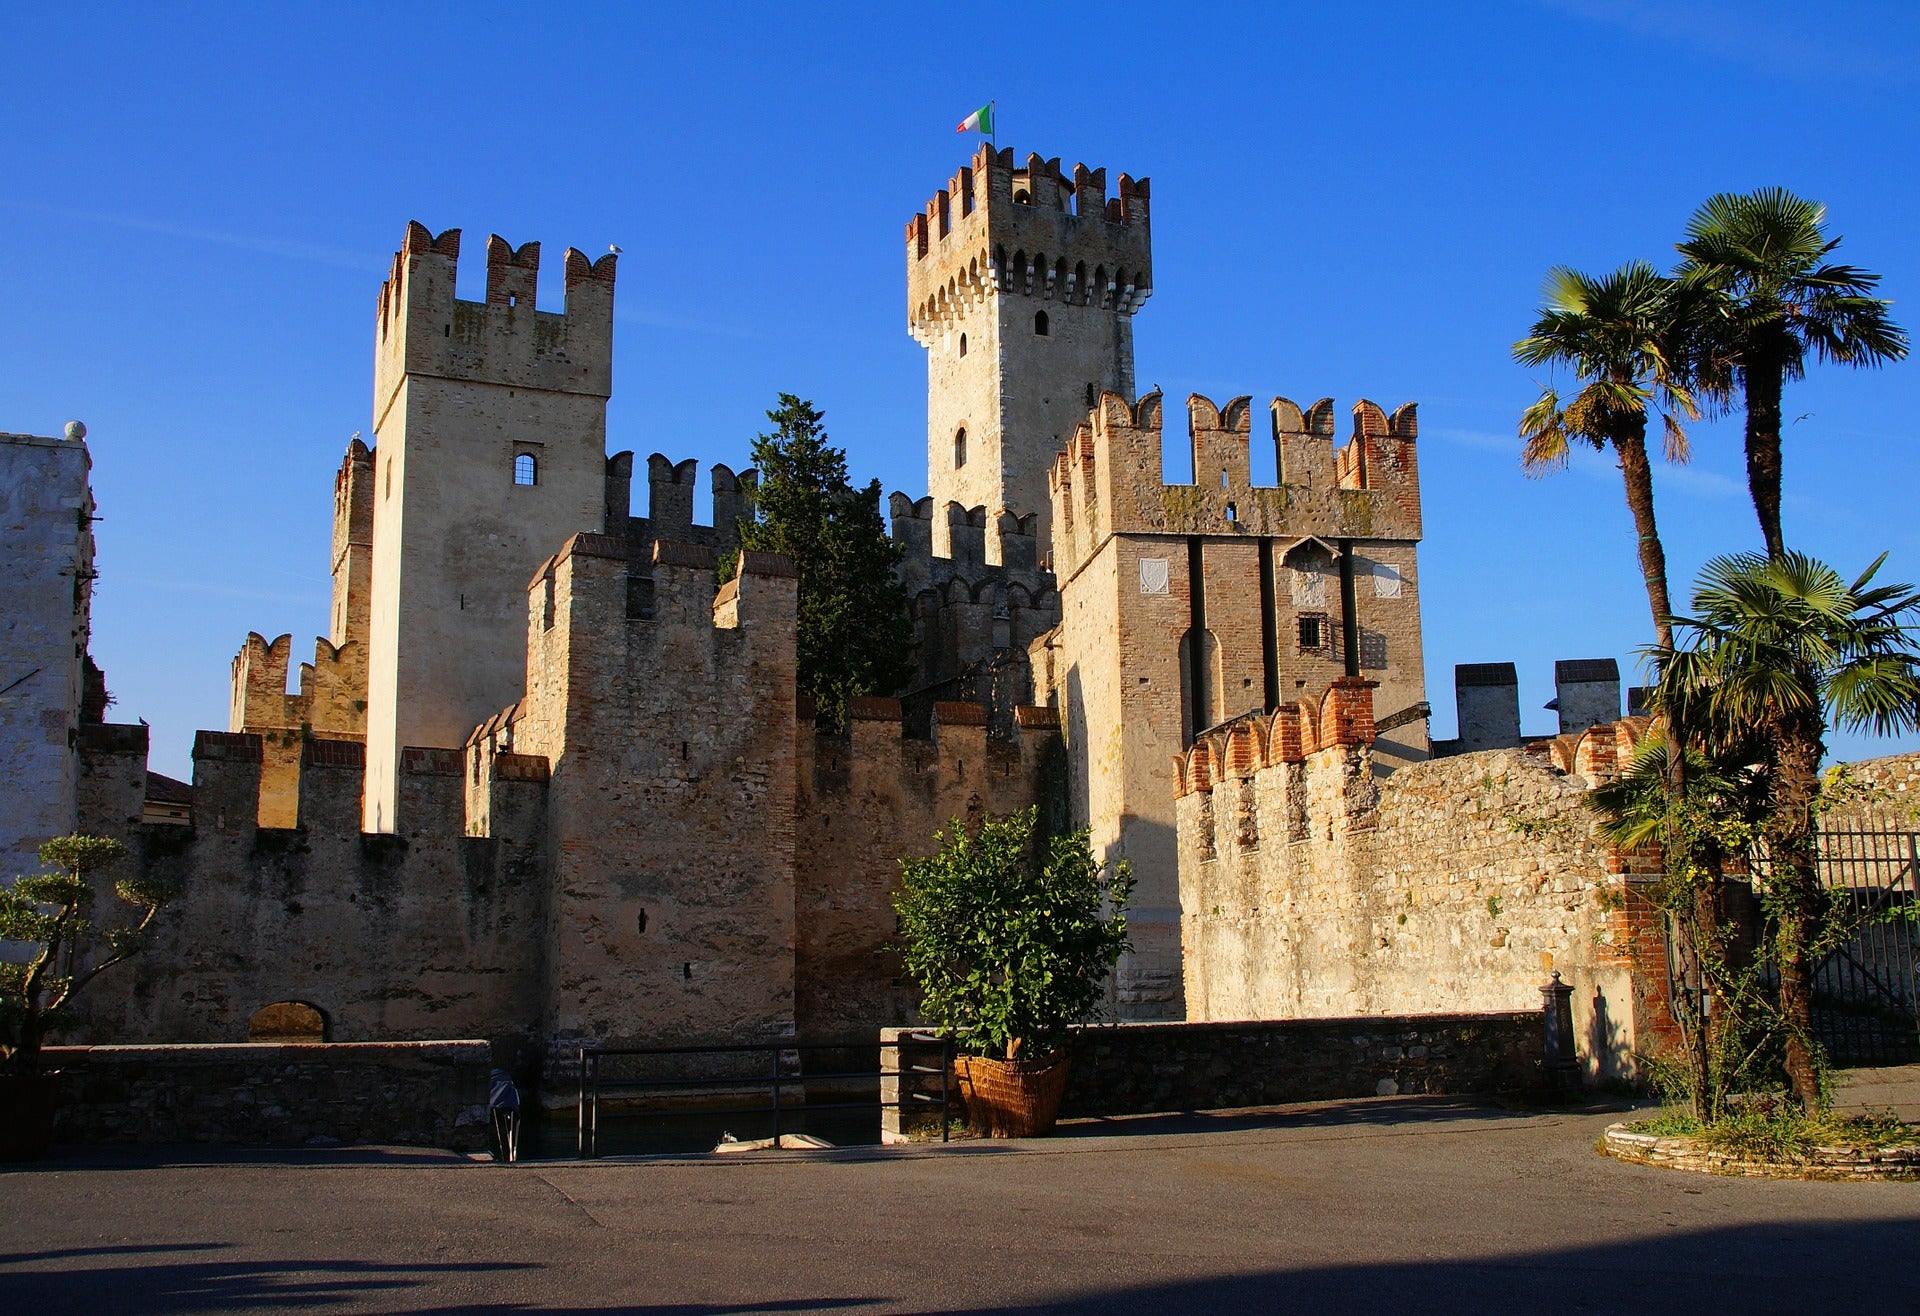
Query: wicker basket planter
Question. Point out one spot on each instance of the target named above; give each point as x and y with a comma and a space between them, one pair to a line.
1012, 1098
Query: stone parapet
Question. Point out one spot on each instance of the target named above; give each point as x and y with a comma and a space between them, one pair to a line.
1133, 1069
422, 1094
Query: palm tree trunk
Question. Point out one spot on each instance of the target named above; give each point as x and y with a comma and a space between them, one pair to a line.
1795, 873
1637, 473
1763, 447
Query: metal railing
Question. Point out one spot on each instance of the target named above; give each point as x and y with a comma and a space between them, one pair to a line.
782, 1070
1866, 992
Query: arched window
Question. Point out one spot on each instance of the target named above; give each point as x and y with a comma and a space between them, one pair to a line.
1040, 323
287, 1021
963, 344
959, 448
525, 469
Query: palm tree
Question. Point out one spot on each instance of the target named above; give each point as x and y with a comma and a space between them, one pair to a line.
1619, 333
1778, 650
1760, 260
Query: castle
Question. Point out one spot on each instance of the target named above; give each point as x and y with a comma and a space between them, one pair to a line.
543, 782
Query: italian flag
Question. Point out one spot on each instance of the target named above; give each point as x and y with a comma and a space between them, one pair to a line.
981, 120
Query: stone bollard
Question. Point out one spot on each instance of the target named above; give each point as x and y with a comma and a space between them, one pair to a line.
1556, 1016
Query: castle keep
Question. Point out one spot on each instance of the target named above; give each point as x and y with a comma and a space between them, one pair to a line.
545, 782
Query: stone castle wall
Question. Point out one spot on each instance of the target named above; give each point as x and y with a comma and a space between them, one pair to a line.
867, 800
427, 932
1313, 888
653, 845
46, 542
422, 1094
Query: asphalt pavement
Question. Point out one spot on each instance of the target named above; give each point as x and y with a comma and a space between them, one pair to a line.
1401, 1205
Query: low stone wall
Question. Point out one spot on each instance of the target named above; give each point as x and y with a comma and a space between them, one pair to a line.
1832, 1163
426, 1094
1136, 1068
1132, 1069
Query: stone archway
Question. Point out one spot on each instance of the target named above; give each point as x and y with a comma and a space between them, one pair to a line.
287, 1021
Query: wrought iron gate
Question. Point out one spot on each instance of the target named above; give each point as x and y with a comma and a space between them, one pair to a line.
1866, 993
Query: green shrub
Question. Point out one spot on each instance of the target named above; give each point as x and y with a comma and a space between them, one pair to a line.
1011, 935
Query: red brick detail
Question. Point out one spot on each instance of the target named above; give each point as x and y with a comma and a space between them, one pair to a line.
1595, 754
756, 563
521, 767
1036, 717
589, 545
421, 761
675, 553
1346, 713
1200, 767
115, 738
1243, 756
958, 713
872, 708
232, 746
1285, 742
330, 753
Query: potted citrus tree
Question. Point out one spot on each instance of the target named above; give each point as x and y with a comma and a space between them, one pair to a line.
51, 913
1011, 936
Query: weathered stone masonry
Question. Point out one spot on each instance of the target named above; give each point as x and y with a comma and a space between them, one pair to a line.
46, 542
1313, 888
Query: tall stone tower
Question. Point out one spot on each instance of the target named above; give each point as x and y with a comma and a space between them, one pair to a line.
491, 424
1021, 285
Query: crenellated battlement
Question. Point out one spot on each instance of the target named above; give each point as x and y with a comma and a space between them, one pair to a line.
1033, 232
958, 757
422, 328
1109, 479
669, 517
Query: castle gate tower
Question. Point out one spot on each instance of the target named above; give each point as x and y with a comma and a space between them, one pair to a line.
1188, 607
491, 420
1021, 285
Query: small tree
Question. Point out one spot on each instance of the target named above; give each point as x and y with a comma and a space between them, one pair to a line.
855, 637
52, 913
1778, 650
1011, 935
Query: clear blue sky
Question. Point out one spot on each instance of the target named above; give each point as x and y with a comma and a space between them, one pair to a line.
199, 206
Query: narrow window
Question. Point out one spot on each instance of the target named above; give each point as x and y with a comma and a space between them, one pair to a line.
963, 344
1233, 514
959, 448
1040, 323
389, 492
525, 470
1313, 632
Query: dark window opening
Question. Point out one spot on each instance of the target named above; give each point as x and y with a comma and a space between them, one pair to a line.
1313, 632
959, 449
1040, 323
525, 469
963, 344
1022, 198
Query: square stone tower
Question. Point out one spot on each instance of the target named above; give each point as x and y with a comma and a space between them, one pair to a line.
1021, 285
1189, 607
491, 420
